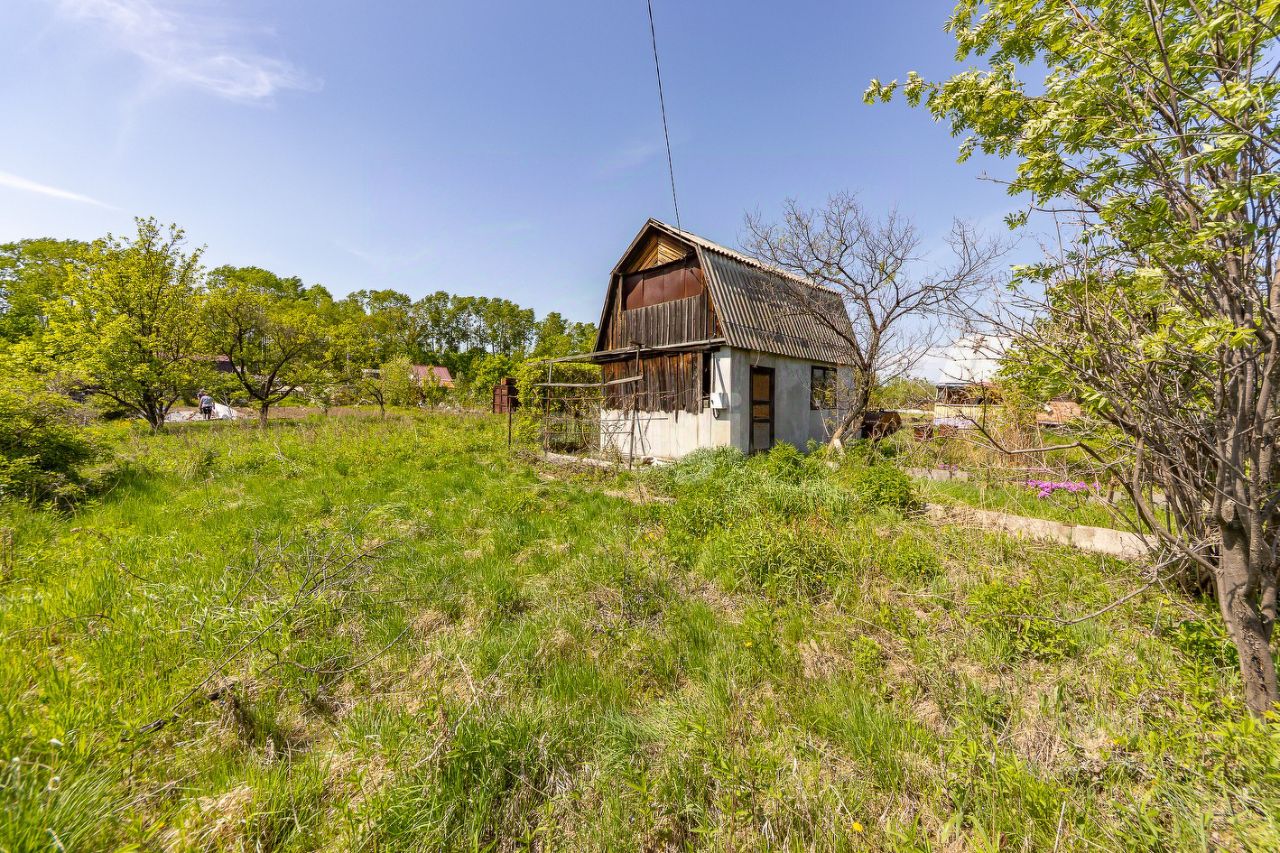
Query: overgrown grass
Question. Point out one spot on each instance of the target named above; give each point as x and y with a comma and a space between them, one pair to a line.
356, 634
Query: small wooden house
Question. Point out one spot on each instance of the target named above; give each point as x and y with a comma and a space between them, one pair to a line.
702, 346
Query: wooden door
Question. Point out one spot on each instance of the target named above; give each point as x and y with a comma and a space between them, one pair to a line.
761, 408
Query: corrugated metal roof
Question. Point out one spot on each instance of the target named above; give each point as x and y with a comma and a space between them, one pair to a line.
767, 309
441, 374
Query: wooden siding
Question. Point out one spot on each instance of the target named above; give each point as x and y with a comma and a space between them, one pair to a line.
677, 322
672, 382
657, 250
673, 321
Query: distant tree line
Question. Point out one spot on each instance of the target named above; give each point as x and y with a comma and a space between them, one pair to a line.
140, 324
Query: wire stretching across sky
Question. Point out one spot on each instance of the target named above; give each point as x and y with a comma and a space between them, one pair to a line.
662, 102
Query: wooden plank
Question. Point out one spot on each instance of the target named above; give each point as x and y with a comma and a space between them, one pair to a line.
589, 384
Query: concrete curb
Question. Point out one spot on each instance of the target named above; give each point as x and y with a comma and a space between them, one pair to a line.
1099, 540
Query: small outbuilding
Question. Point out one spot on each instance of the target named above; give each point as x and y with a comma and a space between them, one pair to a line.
425, 374
506, 396
703, 346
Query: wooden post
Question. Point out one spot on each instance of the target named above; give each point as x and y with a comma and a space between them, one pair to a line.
631, 446
546, 413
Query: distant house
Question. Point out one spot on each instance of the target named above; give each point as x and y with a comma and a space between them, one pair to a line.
419, 373
702, 346
964, 405
424, 373
221, 363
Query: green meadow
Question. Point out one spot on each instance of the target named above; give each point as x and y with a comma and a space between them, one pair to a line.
363, 634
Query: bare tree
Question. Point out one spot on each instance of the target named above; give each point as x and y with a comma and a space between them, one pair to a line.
875, 265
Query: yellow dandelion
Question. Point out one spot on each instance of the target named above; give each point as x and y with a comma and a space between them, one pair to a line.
857, 827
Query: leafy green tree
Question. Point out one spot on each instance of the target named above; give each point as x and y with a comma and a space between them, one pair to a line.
351, 346
390, 384
443, 323
273, 330
32, 273
486, 371
127, 321
557, 337
903, 392
506, 327
400, 386
43, 442
394, 326
1152, 143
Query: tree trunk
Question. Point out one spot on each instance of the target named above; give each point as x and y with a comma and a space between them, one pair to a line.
153, 416
1244, 621
263, 411
851, 426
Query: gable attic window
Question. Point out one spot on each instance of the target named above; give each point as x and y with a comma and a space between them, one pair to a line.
667, 283
822, 387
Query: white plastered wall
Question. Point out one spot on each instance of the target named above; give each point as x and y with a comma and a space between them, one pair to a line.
670, 435
795, 421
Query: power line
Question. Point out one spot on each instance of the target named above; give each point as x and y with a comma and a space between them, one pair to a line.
662, 102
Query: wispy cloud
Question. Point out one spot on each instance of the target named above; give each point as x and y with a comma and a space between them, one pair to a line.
383, 259
627, 158
184, 46
17, 183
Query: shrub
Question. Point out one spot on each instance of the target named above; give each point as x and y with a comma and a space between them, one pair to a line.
784, 480
882, 486
43, 443
399, 385
783, 462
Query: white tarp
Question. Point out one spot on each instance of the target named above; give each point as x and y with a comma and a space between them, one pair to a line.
969, 358
220, 413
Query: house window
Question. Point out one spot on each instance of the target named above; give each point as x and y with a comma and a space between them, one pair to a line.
822, 387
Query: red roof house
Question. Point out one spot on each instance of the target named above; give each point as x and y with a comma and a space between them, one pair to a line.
431, 373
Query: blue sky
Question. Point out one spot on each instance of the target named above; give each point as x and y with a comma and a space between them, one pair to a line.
503, 149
